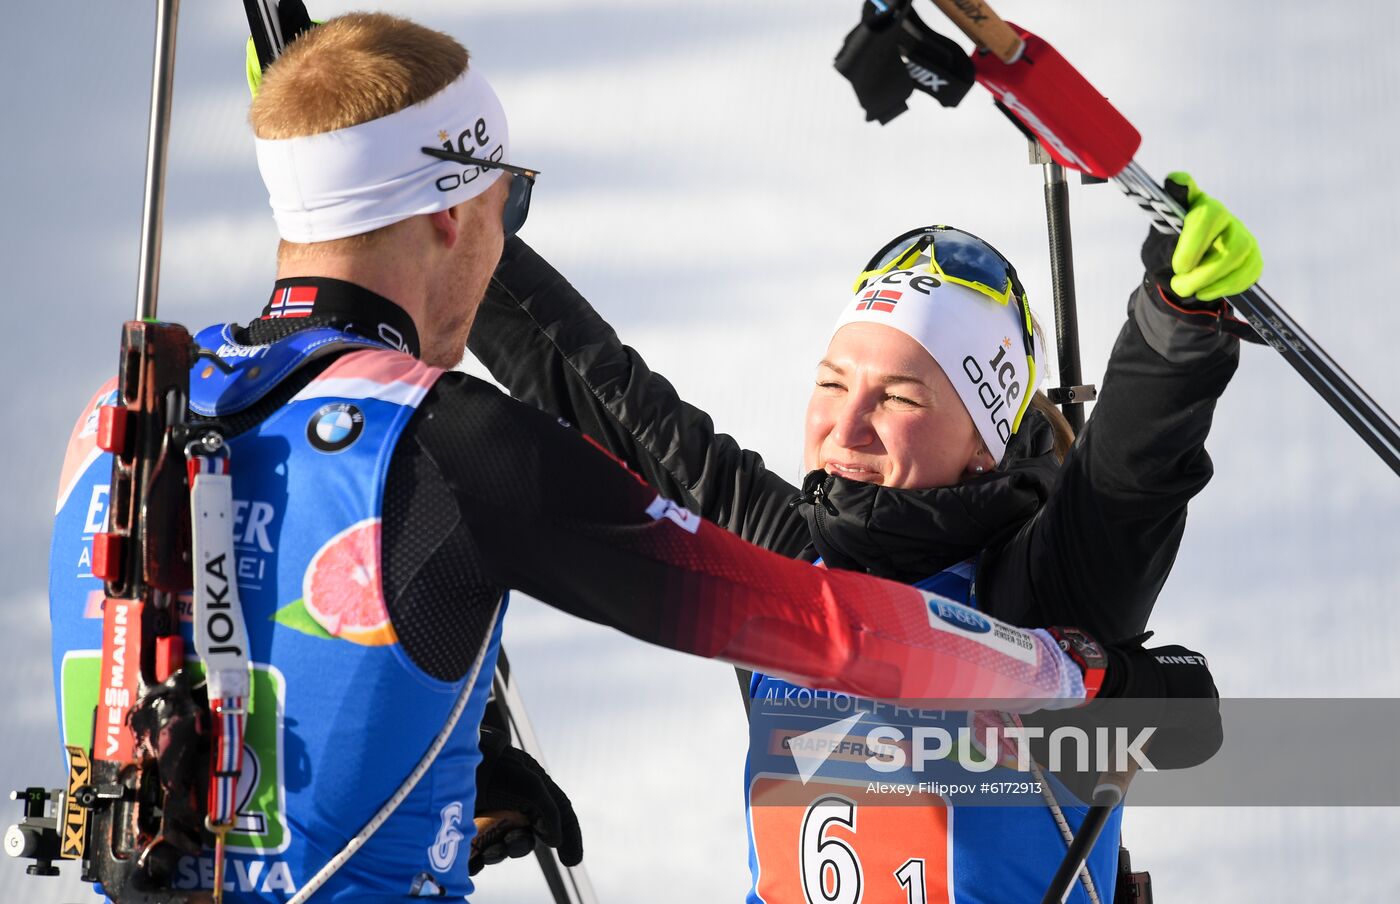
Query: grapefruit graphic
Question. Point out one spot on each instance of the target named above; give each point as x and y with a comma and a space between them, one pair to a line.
341, 590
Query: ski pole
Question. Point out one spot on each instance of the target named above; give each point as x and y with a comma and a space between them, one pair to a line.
1081, 130
1069, 395
1109, 794
568, 884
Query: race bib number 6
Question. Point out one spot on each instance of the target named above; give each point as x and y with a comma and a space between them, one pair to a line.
829, 842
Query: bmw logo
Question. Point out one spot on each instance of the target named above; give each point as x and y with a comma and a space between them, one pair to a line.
335, 427
960, 617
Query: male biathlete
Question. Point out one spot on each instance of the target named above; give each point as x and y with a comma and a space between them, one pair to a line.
384, 505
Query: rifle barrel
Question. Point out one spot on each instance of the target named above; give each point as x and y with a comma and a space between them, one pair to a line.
162, 84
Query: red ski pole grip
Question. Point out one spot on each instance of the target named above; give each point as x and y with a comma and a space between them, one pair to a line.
1076, 124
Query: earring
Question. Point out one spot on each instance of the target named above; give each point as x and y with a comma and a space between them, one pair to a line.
978, 470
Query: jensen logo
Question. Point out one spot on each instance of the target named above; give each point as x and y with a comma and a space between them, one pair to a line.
959, 617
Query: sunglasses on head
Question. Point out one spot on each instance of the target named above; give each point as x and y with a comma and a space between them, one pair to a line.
957, 257
517, 201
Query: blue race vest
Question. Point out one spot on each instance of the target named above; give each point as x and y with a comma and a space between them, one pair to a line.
832, 838
339, 715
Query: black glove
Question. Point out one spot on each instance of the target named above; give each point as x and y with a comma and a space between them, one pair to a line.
937, 66
870, 61
1168, 689
1171, 671
510, 781
1171, 689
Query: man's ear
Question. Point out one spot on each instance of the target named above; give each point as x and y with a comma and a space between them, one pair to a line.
447, 224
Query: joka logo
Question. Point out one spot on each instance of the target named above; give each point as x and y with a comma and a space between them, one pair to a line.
879, 300
960, 617
335, 427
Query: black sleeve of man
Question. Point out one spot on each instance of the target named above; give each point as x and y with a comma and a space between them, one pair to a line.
486, 493
546, 510
543, 510
543, 341
1096, 555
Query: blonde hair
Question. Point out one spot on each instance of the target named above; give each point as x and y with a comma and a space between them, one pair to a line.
351, 69
1064, 433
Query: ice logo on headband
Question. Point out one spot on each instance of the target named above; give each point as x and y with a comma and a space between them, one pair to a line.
976, 340
998, 404
469, 142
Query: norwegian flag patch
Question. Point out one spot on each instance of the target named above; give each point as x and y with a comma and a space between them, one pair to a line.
292, 301
879, 300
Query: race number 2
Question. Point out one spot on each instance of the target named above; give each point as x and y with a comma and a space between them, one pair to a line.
260, 826
833, 843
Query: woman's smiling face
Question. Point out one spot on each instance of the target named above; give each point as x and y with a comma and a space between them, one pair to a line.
882, 411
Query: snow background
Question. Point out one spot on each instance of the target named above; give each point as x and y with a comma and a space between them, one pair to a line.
708, 181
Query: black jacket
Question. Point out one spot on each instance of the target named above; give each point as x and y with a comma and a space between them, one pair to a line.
1088, 543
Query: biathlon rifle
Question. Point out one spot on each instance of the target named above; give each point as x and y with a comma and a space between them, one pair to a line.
138, 798
1048, 98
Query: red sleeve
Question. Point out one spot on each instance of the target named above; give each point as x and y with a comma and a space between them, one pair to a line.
558, 518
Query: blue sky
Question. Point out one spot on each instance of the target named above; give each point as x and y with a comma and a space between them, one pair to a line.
709, 183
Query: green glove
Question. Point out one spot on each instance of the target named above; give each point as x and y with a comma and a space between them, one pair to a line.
1215, 254
254, 69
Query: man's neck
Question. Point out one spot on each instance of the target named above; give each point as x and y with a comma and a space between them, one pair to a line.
384, 275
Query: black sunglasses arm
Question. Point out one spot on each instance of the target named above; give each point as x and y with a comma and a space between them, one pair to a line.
455, 157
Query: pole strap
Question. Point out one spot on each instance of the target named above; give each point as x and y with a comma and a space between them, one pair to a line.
220, 632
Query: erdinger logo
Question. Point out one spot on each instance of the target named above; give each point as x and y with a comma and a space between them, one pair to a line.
335, 427
998, 387
470, 141
443, 853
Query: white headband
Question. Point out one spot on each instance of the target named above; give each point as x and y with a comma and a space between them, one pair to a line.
976, 341
357, 179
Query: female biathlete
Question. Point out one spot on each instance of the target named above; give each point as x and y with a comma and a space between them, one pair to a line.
932, 459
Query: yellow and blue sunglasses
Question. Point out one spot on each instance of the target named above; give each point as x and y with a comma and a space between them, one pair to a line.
957, 257
962, 258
